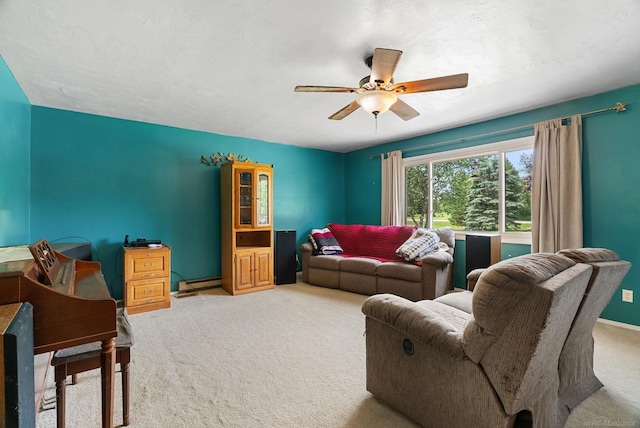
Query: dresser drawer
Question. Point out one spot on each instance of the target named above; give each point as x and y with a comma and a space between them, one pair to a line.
146, 291
147, 264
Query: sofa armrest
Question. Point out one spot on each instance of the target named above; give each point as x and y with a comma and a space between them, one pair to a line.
472, 278
431, 328
437, 274
306, 250
438, 258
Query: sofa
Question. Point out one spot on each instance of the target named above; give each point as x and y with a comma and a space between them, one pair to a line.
368, 263
499, 363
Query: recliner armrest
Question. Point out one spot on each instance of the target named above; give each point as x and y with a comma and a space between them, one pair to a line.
472, 278
417, 322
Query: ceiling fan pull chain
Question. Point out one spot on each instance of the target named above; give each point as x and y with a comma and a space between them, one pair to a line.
376, 120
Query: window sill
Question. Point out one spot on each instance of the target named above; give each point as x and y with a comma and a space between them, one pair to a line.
505, 238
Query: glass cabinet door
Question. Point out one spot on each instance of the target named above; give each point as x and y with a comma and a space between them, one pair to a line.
245, 198
263, 208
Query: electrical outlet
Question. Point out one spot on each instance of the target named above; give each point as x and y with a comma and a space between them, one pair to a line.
627, 296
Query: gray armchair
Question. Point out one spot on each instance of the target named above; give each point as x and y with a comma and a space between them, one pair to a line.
577, 378
442, 366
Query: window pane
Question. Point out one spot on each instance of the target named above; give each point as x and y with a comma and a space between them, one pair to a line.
485, 188
518, 169
417, 195
483, 197
451, 186
263, 199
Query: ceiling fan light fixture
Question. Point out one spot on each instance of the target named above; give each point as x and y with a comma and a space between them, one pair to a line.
377, 101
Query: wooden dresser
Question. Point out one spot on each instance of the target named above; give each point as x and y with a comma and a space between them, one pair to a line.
146, 278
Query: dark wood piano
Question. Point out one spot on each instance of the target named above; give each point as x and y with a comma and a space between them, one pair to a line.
71, 306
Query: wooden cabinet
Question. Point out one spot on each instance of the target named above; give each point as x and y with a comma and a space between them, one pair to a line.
147, 278
253, 268
246, 227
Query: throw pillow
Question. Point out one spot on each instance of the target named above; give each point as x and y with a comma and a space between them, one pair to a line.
419, 244
324, 242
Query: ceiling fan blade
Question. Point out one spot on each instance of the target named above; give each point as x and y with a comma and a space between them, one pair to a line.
300, 88
383, 65
403, 110
345, 111
435, 84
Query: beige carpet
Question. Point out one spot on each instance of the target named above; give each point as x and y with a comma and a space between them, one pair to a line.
290, 357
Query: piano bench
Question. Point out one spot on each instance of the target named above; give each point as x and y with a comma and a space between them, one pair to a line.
82, 358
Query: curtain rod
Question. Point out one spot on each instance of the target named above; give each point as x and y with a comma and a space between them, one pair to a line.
620, 106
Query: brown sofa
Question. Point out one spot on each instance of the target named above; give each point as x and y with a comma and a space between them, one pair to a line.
370, 266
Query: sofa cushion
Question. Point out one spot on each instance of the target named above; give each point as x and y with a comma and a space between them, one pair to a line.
400, 270
379, 242
324, 277
359, 265
460, 300
325, 262
358, 283
408, 289
448, 236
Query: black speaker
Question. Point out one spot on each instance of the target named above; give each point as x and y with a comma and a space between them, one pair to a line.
481, 251
286, 260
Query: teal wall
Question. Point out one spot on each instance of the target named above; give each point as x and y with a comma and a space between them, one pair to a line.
15, 136
101, 178
69, 176
611, 178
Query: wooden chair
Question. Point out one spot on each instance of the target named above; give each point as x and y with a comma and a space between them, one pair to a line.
82, 358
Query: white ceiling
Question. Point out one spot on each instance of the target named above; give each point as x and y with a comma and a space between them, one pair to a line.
230, 67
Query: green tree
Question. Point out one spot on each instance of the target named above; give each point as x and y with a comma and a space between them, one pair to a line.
469, 194
451, 189
417, 193
526, 172
515, 197
482, 212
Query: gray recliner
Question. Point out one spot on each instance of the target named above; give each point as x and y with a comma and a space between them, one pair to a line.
577, 378
500, 362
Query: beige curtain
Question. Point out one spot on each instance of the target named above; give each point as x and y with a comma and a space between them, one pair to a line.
392, 189
556, 200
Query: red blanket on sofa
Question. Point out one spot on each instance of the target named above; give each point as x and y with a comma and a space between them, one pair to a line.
378, 242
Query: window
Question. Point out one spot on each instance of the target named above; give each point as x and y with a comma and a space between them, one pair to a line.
480, 189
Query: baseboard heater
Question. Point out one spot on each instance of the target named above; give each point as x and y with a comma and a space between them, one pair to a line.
189, 287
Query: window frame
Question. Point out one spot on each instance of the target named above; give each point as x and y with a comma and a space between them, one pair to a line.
499, 149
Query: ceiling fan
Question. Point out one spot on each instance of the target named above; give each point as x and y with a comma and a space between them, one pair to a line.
378, 92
